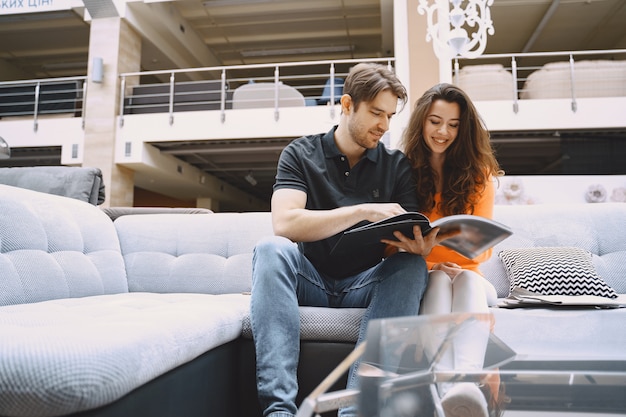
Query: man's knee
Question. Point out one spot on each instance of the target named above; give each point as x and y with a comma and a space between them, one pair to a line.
407, 273
273, 245
275, 258
406, 262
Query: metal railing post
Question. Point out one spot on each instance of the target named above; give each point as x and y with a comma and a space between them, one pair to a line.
276, 79
122, 91
36, 108
84, 105
171, 103
223, 97
572, 79
515, 92
332, 90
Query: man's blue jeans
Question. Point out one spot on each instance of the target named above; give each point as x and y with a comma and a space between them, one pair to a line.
283, 278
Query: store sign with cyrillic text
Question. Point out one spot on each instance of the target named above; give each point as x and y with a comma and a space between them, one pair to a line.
32, 6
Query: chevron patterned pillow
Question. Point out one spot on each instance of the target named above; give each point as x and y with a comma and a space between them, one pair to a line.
554, 271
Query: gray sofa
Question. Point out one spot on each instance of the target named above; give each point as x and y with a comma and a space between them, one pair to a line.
148, 314
81, 183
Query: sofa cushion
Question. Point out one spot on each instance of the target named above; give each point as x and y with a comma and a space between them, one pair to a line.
323, 324
554, 271
592, 78
209, 253
593, 227
486, 82
63, 356
55, 247
82, 183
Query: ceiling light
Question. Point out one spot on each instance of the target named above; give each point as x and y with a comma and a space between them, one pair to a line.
250, 179
298, 51
447, 27
220, 3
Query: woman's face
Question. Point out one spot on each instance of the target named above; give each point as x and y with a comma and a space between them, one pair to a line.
441, 125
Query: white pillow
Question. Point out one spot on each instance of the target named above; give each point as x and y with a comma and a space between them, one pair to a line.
554, 271
482, 68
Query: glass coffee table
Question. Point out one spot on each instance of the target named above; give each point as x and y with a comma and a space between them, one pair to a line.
407, 363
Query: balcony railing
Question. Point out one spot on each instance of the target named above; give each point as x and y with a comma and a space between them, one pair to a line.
276, 86
512, 77
46, 96
544, 75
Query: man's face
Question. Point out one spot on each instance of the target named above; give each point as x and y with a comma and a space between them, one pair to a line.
371, 120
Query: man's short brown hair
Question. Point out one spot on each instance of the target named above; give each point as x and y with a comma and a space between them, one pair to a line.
366, 80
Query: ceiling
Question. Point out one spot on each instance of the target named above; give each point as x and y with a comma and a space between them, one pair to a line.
230, 32
56, 44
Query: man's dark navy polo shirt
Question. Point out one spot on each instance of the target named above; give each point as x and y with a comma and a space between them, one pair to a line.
315, 165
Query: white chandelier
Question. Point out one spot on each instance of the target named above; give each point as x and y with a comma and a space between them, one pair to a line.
447, 27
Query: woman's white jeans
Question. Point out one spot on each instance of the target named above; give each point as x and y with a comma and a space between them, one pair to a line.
468, 292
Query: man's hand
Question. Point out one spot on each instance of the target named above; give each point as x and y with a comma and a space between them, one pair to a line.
374, 212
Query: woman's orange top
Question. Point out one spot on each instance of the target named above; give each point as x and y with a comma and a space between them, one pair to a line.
484, 207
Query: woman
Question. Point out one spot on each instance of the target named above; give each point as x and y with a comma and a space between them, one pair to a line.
454, 165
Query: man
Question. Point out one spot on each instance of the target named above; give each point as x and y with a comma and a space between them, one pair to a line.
324, 185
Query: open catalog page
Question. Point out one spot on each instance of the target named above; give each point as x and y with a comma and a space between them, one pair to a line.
477, 234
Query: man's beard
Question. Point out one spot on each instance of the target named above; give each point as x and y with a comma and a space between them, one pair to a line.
359, 136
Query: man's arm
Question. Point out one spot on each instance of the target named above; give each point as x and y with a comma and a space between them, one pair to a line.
292, 220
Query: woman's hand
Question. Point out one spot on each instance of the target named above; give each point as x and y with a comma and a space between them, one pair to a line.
419, 245
449, 268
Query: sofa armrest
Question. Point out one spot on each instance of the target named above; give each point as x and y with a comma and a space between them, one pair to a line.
81, 183
115, 212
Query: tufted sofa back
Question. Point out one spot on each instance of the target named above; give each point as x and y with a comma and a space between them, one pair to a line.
55, 247
598, 228
204, 253
213, 253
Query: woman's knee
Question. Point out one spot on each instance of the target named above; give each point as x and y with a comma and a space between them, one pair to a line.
439, 277
439, 282
470, 292
468, 281
438, 296
467, 276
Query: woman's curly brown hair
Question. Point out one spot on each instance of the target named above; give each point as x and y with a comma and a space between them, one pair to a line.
470, 160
